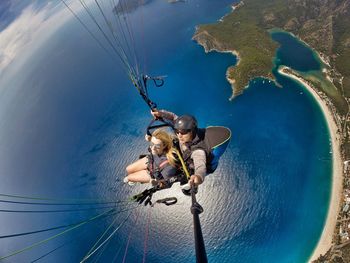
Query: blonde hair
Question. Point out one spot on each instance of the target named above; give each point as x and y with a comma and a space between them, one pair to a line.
167, 141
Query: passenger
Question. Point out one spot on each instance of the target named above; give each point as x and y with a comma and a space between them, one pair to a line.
158, 167
191, 141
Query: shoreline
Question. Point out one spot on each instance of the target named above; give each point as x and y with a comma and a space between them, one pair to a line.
325, 240
320, 56
238, 60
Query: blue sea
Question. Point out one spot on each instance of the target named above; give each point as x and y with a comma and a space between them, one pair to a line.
70, 122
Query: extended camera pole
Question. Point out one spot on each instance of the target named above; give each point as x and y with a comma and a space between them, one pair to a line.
196, 209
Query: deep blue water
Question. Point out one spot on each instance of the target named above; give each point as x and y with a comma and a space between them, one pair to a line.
71, 121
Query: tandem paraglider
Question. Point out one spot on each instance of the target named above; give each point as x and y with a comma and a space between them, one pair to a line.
179, 150
185, 148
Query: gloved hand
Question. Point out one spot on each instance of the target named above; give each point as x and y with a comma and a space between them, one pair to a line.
144, 196
162, 184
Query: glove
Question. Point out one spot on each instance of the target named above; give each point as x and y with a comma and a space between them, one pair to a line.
144, 196
161, 184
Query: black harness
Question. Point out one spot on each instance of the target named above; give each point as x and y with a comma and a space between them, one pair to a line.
198, 143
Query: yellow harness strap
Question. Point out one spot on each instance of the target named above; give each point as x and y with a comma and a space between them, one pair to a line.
184, 167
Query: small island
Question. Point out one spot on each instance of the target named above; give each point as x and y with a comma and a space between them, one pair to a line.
322, 25
129, 6
176, 1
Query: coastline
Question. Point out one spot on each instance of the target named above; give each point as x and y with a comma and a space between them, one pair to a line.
238, 59
235, 53
325, 241
320, 56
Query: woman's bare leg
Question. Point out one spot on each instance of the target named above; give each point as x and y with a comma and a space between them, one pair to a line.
139, 165
139, 176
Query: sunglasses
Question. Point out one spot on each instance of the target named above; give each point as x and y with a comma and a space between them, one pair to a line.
156, 146
182, 132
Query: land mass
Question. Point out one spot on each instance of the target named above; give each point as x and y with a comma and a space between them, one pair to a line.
323, 25
320, 23
129, 6
232, 34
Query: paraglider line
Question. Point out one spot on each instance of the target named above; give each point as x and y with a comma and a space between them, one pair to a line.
78, 201
54, 211
90, 253
146, 236
59, 204
88, 30
55, 236
59, 227
129, 237
126, 64
118, 43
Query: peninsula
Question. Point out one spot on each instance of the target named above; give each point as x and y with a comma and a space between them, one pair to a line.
239, 33
323, 26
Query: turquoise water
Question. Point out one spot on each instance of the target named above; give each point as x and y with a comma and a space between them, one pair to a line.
306, 60
71, 122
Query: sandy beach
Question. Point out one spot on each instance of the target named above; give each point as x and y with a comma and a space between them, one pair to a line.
325, 240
